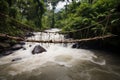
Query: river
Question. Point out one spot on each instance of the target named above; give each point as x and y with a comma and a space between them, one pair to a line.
60, 62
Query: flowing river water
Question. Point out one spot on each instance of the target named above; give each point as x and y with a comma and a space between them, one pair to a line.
60, 62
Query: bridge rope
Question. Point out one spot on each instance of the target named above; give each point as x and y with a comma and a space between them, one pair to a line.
16, 22
60, 32
25, 26
87, 27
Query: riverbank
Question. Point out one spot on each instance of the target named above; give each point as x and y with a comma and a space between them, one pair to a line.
110, 45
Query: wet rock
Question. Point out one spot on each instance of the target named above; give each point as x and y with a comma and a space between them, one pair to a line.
16, 59
16, 47
30, 45
38, 49
8, 52
69, 35
22, 43
2, 78
76, 45
24, 48
4, 45
30, 34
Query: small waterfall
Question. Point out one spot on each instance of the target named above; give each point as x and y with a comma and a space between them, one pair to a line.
50, 35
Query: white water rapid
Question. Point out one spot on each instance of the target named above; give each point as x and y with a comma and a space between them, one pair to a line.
60, 62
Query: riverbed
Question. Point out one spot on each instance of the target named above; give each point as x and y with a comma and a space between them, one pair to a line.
59, 62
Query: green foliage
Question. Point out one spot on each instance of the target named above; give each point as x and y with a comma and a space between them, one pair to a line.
76, 15
4, 7
13, 12
28, 12
4, 20
95, 14
84, 9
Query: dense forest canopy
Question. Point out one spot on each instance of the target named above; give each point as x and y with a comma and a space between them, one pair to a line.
28, 12
90, 12
103, 16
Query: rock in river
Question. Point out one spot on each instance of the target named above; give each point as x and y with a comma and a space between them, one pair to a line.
22, 43
30, 34
8, 52
16, 59
76, 45
38, 49
16, 47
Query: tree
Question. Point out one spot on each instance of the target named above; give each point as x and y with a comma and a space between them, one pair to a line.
40, 6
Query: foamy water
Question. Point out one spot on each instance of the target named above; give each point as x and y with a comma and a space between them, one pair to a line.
60, 62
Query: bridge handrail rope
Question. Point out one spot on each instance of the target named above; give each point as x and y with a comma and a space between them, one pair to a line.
84, 27
25, 26
61, 32
90, 25
108, 18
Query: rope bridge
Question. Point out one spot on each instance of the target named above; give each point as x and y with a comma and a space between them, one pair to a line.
27, 27
84, 33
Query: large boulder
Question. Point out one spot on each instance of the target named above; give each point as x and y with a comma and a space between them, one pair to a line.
38, 49
16, 47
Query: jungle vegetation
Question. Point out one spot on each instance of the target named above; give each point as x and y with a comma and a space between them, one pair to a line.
98, 17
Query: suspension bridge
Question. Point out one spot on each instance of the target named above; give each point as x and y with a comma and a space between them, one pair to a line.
83, 31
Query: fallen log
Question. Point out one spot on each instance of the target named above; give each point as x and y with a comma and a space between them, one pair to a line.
72, 41
62, 41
